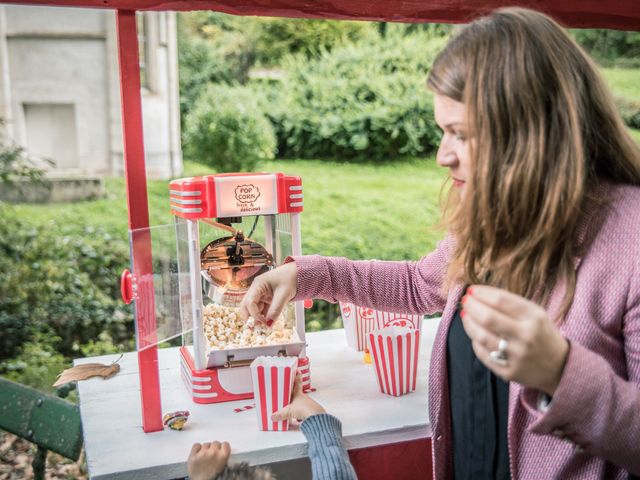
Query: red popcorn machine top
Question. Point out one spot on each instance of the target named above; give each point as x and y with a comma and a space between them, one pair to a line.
228, 229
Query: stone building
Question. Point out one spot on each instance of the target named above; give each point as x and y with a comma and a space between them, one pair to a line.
60, 90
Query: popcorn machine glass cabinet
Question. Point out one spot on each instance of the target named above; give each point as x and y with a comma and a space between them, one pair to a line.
269, 235
170, 300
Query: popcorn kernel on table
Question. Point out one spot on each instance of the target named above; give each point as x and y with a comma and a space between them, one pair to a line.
224, 329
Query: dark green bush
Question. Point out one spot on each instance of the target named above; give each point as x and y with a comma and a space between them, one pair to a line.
268, 40
59, 281
275, 38
218, 48
202, 62
363, 101
38, 364
630, 111
609, 46
228, 130
432, 29
322, 316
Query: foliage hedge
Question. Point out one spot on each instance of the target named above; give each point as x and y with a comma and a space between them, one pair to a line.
60, 282
203, 62
218, 48
361, 101
610, 46
228, 130
630, 111
268, 40
275, 38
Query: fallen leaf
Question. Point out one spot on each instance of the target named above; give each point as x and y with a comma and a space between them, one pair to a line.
87, 370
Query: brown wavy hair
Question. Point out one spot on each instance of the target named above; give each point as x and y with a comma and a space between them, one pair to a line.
544, 132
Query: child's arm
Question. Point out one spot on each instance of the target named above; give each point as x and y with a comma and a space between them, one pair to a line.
329, 458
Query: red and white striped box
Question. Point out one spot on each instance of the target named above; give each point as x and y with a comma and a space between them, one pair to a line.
388, 319
304, 370
395, 356
360, 321
273, 379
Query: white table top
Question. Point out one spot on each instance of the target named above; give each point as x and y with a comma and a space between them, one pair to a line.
116, 446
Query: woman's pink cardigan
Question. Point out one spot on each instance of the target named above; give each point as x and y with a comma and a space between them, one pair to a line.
591, 430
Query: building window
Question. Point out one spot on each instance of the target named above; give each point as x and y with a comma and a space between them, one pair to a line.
51, 133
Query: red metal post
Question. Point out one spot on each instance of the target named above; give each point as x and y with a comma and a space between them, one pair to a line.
136, 187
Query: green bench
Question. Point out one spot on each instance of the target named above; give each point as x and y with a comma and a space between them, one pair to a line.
43, 419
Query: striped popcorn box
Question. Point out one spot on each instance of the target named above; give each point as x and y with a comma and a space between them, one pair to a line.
358, 322
273, 379
304, 369
395, 355
387, 319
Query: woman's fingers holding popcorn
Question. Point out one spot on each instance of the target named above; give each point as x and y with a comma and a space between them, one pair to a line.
257, 300
269, 293
280, 298
251, 307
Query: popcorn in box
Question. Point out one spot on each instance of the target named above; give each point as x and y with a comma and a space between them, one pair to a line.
273, 379
395, 356
359, 321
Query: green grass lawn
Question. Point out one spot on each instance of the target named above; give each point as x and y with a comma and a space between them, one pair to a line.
355, 210
624, 82
366, 211
625, 86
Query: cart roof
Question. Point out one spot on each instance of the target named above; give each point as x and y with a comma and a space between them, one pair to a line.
620, 14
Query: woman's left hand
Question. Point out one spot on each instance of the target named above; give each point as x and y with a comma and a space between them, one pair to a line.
535, 351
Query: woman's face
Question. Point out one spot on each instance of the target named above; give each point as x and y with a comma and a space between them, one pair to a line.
453, 153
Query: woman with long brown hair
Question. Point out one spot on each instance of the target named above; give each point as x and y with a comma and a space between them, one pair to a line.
535, 370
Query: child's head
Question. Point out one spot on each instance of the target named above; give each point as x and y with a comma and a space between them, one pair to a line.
541, 130
242, 471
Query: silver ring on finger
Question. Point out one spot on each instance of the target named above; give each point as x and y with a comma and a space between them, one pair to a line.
499, 356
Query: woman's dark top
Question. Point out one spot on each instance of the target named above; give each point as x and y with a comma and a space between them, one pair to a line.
479, 412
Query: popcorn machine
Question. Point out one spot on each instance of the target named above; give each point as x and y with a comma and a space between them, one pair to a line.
230, 228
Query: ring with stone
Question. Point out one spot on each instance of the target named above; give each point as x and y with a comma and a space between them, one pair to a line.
499, 356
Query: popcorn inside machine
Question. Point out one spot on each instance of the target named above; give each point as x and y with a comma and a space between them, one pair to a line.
228, 229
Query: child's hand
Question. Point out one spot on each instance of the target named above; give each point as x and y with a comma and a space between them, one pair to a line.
301, 407
207, 460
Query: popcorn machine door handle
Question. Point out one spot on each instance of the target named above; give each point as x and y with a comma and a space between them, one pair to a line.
230, 363
126, 286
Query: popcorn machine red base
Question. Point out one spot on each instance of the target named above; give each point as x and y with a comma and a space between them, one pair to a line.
229, 228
